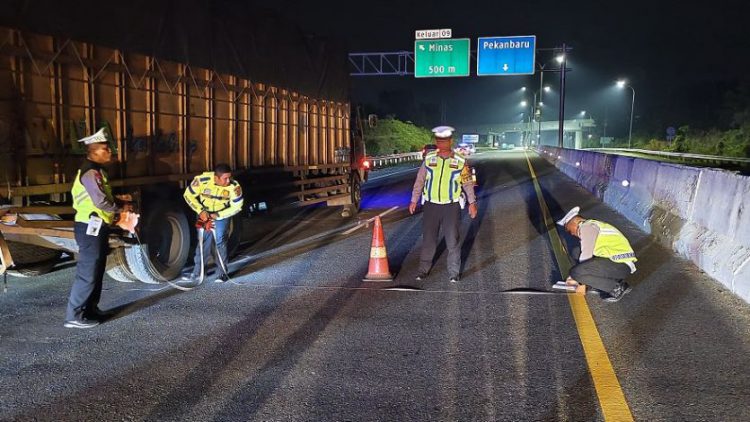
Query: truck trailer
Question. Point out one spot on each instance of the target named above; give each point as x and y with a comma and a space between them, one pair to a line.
211, 85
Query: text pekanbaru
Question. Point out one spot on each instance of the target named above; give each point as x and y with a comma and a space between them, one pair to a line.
495, 45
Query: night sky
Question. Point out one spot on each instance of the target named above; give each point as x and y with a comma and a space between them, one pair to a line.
680, 57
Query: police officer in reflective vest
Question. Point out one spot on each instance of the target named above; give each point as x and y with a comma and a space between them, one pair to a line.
216, 198
96, 208
442, 177
605, 257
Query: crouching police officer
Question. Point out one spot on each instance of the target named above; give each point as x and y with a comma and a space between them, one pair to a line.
440, 180
96, 208
605, 257
216, 198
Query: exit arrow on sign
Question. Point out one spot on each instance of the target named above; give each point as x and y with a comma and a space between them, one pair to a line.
505, 67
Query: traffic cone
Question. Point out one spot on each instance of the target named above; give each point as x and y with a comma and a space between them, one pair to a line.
378, 268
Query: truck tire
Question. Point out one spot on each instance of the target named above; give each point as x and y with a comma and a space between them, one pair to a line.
117, 267
356, 193
165, 238
235, 235
32, 260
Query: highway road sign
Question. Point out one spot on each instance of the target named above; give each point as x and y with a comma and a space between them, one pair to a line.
441, 58
424, 34
506, 55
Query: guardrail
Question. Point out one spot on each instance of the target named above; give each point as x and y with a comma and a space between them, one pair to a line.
715, 159
386, 160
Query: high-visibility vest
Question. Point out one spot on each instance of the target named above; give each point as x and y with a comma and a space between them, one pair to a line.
612, 244
443, 180
202, 194
83, 204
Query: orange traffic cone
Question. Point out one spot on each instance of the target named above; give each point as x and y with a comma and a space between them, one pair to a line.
378, 269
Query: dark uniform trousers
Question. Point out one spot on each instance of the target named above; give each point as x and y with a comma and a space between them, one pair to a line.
92, 260
448, 217
599, 273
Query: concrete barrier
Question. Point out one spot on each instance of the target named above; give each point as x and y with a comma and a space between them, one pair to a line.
703, 214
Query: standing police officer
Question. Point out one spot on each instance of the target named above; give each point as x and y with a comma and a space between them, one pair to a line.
95, 211
440, 180
605, 257
216, 198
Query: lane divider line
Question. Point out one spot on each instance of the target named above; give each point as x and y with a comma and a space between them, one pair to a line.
608, 390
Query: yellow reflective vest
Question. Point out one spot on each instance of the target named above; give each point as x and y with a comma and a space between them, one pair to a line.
202, 194
612, 244
84, 205
444, 178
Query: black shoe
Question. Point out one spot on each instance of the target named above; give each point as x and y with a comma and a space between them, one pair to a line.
421, 276
223, 279
98, 315
80, 323
621, 290
454, 279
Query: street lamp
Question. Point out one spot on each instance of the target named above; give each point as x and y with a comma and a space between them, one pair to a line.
547, 89
583, 114
622, 83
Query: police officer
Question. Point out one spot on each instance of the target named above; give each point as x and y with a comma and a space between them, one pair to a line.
440, 180
605, 257
216, 198
96, 209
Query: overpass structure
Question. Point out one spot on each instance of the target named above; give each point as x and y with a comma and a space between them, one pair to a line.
494, 131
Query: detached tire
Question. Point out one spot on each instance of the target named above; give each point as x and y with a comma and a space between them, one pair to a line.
117, 267
32, 260
165, 238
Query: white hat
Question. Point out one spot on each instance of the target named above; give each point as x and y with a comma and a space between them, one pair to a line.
443, 131
569, 216
96, 138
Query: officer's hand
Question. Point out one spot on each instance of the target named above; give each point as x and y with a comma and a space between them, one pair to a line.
412, 207
125, 197
203, 216
473, 210
213, 216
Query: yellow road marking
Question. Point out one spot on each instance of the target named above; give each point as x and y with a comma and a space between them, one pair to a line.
608, 389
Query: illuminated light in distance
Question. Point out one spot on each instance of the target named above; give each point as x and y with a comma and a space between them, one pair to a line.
625, 183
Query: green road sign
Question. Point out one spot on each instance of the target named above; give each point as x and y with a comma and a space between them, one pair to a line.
441, 58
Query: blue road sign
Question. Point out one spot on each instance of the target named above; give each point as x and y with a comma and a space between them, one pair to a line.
506, 55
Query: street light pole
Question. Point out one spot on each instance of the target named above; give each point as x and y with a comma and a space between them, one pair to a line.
632, 107
541, 96
561, 119
622, 83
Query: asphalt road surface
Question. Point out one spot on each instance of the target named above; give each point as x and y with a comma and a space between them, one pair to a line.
299, 336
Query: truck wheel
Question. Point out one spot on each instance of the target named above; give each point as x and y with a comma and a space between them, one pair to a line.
356, 193
165, 238
117, 267
32, 260
235, 235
